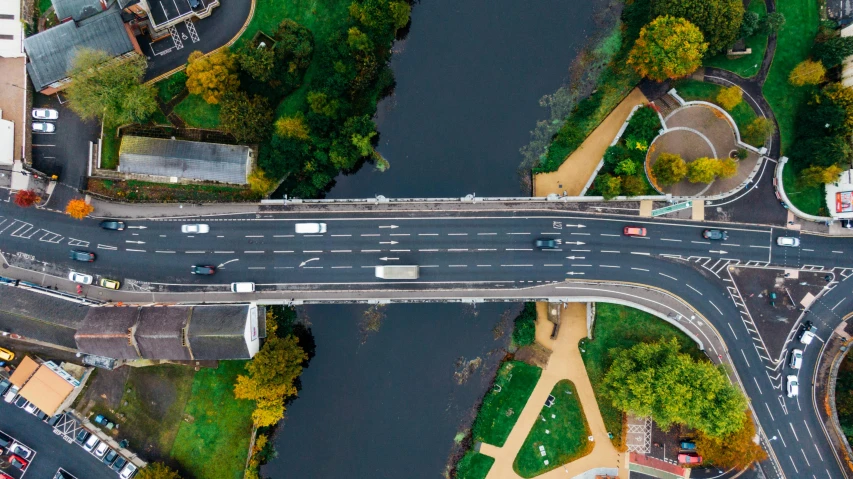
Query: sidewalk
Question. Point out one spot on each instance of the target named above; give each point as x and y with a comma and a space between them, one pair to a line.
565, 363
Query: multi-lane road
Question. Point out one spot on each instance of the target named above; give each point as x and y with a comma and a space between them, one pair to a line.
463, 251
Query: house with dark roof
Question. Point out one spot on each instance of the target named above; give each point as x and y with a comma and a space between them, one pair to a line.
51, 52
169, 160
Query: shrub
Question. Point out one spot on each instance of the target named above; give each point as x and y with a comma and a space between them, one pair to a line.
760, 127
644, 124
524, 328
703, 170
730, 97
610, 186
773, 22
750, 24
807, 72
727, 167
633, 186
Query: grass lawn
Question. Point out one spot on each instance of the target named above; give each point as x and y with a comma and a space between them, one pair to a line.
198, 113
747, 65
158, 118
811, 200
794, 42
109, 149
622, 327
743, 114
214, 441
500, 410
474, 466
563, 434
43, 5
171, 86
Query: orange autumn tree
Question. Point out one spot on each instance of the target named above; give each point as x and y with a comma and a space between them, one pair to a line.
78, 209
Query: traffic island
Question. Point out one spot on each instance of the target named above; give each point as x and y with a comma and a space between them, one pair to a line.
560, 435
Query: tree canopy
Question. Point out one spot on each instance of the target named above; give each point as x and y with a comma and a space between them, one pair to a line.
719, 20
668, 47
735, 450
833, 51
248, 119
730, 97
157, 470
108, 88
669, 169
78, 208
212, 76
807, 72
656, 380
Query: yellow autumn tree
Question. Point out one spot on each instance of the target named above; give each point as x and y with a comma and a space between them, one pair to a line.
212, 76
258, 182
78, 209
703, 170
727, 168
843, 97
730, 97
807, 72
292, 127
818, 175
668, 47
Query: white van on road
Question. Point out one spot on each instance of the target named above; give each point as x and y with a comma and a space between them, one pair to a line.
246, 287
310, 228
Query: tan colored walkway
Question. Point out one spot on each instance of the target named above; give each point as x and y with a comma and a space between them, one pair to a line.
580, 165
565, 363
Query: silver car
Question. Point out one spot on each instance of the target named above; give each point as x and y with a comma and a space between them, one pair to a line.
788, 241
195, 229
793, 386
80, 277
45, 114
43, 127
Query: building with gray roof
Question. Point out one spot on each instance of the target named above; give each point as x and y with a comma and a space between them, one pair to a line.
77, 9
213, 332
51, 52
185, 160
109, 331
161, 330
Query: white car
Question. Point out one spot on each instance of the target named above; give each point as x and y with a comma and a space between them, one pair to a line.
10, 394
195, 229
45, 114
128, 471
793, 386
788, 241
21, 450
30, 408
796, 358
43, 127
91, 443
80, 277
101, 450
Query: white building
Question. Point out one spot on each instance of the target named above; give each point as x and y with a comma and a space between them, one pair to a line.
11, 29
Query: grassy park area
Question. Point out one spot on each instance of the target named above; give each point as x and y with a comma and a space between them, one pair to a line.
197, 113
620, 327
502, 405
809, 199
748, 65
562, 434
474, 466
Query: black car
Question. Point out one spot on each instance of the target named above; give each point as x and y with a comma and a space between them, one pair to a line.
195, 3
120, 462
5, 440
721, 235
80, 255
112, 225
110, 457
41, 415
546, 243
199, 269
52, 422
21, 402
4, 386
82, 436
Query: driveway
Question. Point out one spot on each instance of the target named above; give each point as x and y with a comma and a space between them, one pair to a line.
12, 99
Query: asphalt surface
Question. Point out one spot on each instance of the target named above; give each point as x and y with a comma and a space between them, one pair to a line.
51, 451
464, 251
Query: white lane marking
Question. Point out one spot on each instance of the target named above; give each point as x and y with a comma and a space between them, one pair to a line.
486, 249
341, 251
756, 385
370, 250
312, 236
226, 252
341, 267
781, 436
606, 234
582, 250
341, 236
312, 267
836, 305
424, 250
371, 234
551, 234
218, 236
254, 236
818, 453
715, 306
283, 251
643, 254
136, 250
519, 249
806, 458
164, 251
756, 246
312, 251
257, 267
162, 236
451, 249
582, 265
400, 250
667, 239
577, 234
771, 414
729, 244
400, 234
609, 266
558, 265
486, 234
458, 265
108, 247
258, 252
427, 234
694, 289
484, 266
807, 429
457, 234
668, 276
515, 265
284, 267
806, 249
422, 266
838, 252
288, 236
741, 351
701, 242
640, 269
195, 252
608, 251
794, 431
518, 233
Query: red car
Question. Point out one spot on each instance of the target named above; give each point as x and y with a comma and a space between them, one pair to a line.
18, 462
689, 458
634, 231
3, 475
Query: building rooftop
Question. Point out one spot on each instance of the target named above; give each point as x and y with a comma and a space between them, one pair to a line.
109, 332
11, 29
40, 316
185, 159
76, 9
52, 51
47, 390
215, 333
160, 332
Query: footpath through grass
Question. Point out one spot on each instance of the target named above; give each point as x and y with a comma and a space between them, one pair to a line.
620, 327
742, 114
748, 65
562, 435
214, 441
474, 466
503, 404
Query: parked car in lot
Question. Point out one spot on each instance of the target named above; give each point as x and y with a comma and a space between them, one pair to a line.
793, 386
30, 408
91, 443
634, 231
787, 241
199, 269
6, 355
21, 450
101, 450
719, 235
3, 475
10, 394
796, 358
119, 464
79, 255
45, 114
195, 228
110, 457
4, 386
43, 127
82, 436
807, 332
18, 462
21, 402
112, 225
688, 445
546, 243
5, 440
689, 458
53, 421
128, 471
80, 278
109, 283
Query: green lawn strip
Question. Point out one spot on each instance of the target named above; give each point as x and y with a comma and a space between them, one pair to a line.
743, 114
811, 200
168, 87
198, 113
794, 42
474, 466
500, 409
214, 440
748, 65
563, 434
109, 149
43, 5
621, 327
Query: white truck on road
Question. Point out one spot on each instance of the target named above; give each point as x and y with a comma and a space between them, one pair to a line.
397, 272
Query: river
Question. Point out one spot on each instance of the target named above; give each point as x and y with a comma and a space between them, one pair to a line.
469, 75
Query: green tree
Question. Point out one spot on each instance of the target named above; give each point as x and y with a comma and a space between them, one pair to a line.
259, 183
357, 40
760, 128
524, 327
719, 20
773, 22
270, 378
258, 61
833, 51
110, 89
212, 76
823, 151
843, 97
668, 47
157, 470
750, 24
669, 169
818, 175
727, 167
730, 97
703, 170
248, 119
609, 185
400, 12
807, 72
736, 450
321, 104
292, 127
627, 167
633, 186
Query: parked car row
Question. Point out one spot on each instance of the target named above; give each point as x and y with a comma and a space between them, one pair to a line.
805, 335
102, 451
17, 454
43, 116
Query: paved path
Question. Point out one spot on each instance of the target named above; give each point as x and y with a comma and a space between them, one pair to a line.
565, 363
580, 165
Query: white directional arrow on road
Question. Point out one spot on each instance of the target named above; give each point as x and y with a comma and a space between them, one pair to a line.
574, 242
137, 242
572, 273
385, 258
575, 257
574, 226
307, 261
721, 251
137, 227
387, 242
229, 261
390, 226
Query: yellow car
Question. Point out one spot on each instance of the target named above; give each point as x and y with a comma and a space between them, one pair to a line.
6, 355
109, 283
